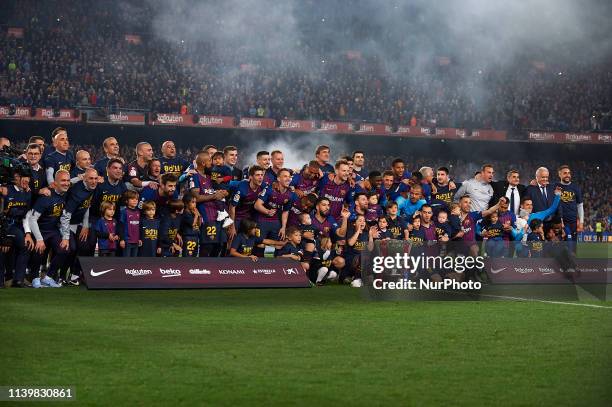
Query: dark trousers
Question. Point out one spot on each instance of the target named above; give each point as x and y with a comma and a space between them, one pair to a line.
59, 256
131, 250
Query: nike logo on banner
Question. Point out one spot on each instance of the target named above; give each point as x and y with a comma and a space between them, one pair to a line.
99, 273
495, 271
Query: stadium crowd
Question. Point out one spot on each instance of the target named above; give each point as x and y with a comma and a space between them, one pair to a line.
63, 202
52, 66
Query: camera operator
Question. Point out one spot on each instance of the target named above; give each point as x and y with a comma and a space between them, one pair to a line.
16, 199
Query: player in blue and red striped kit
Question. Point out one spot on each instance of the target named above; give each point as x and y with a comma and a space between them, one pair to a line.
201, 186
273, 207
246, 193
337, 189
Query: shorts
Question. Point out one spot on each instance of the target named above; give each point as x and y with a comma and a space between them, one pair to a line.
269, 230
210, 232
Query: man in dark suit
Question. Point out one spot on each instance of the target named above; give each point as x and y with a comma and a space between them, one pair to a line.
542, 194
511, 189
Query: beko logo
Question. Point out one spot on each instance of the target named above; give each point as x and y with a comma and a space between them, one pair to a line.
170, 272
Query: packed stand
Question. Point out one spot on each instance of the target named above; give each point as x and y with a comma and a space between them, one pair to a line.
75, 54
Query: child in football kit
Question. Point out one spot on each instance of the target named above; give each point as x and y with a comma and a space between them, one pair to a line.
535, 239
130, 221
247, 239
190, 226
149, 231
221, 176
293, 248
106, 229
492, 231
374, 211
382, 231
170, 240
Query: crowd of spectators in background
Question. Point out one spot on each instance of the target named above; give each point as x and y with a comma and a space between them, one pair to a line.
78, 56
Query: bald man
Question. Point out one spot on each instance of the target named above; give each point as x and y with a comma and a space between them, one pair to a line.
43, 220
111, 150
83, 161
170, 163
74, 222
138, 170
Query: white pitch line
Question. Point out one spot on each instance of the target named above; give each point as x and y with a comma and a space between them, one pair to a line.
545, 301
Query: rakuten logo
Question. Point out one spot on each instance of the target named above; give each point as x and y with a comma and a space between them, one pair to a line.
138, 272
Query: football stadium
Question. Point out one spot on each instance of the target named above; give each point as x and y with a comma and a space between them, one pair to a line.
357, 202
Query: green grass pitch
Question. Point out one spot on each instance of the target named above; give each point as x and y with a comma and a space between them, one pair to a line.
318, 346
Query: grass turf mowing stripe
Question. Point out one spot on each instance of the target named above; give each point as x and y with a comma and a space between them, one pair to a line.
295, 346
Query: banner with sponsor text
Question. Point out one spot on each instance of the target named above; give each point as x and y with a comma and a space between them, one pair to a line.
580, 138
191, 272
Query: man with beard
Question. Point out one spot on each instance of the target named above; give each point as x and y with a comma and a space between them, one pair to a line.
359, 207
246, 194
307, 180
325, 224
166, 192
407, 207
336, 188
443, 191
358, 163
111, 150
170, 163
572, 207
273, 207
